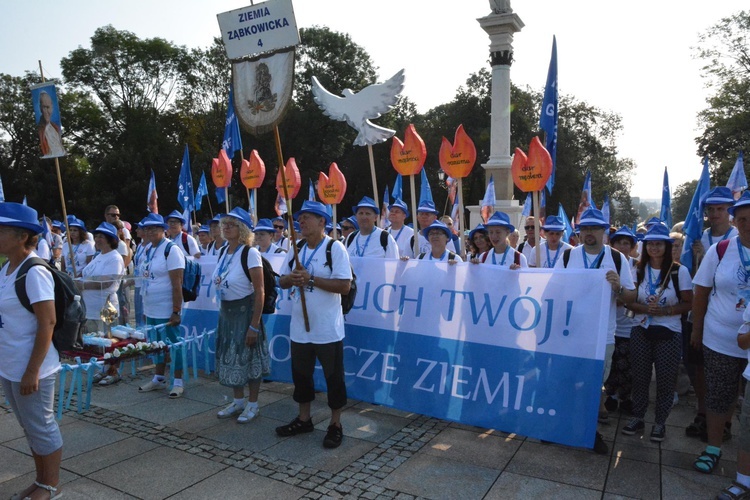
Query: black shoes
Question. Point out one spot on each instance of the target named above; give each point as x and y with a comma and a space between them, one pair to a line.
295, 427
334, 436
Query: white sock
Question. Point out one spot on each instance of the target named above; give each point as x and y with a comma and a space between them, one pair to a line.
239, 402
158, 378
253, 404
743, 480
178, 382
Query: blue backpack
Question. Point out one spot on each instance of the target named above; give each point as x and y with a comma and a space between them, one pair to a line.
191, 277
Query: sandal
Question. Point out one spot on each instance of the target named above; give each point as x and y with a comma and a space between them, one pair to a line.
52, 490
728, 494
709, 460
698, 427
110, 379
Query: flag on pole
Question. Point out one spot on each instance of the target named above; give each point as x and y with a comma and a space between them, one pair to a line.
189, 226
425, 193
526, 206
568, 231
488, 202
456, 216
232, 141
737, 180
452, 186
383, 221
185, 191
220, 195
665, 213
311, 191
586, 200
397, 195
251, 202
2, 192
201, 192
280, 205
605, 209
548, 118
151, 203
693, 227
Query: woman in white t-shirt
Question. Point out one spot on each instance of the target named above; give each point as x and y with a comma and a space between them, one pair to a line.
656, 338
263, 233
501, 254
28, 361
439, 235
82, 247
242, 356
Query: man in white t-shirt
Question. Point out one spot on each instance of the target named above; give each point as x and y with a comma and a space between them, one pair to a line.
323, 283
527, 247
552, 247
370, 240
112, 214
426, 215
398, 212
594, 254
184, 241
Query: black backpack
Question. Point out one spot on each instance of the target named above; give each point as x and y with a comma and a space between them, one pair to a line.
70, 311
269, 280
383, 239
616, 258
347, 301
191, 276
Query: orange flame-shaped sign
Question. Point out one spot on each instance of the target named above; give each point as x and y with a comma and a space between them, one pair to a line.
293, 181
221, 170
408, 157
331, 187
458, 160
531, 173
253, 172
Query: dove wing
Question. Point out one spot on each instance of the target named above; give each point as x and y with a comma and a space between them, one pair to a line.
333, 106
379, 98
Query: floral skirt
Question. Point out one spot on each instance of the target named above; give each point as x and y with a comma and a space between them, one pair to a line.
236, 363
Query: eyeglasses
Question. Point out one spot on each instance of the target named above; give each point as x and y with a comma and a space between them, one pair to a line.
528, 228
279, 227
114, 215
230, 225
347, 228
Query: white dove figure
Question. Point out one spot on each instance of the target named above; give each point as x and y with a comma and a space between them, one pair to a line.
357, 109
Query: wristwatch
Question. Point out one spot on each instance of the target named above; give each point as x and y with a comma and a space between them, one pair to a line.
311, 282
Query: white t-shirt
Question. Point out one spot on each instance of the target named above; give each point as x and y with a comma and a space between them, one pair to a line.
707, 240
728, 300
229, 276
369, 246
668, 297
624, 323
104, 264
549, 257
527, 249
626, 278
504, 259
18, 326
403, 240
157, 287
272, 248
443, 258
323, 308
42, 249
425, 247
192, 244
284, 243
215, 248
82, 251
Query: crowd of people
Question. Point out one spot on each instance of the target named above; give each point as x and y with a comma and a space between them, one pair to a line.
662, 315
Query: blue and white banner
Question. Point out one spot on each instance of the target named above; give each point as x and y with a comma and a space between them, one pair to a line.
520, 352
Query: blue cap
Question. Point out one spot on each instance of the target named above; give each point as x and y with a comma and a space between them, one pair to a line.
315, 208
58, 224
242, 215
500, 219
658, 232
399, 203
107, 230
742, 202
351, 220
427, 206
719, 195
74, 221
204, 228
623, 232
553, 223
216, 219
264, 225
176, 215
153, 220
366, 202
478, 229
279, 219
437, 225
593, 217
19, 215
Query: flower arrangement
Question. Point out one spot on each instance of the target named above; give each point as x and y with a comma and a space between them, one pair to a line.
136, 349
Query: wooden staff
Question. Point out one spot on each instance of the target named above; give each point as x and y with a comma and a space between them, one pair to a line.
226, 198
537, 247
372, 173
414, 216
335, 231
62, 197
460, 217
292, 232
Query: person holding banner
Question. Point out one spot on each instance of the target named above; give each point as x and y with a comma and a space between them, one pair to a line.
501, 254
439, 235
426, 215
242, 356
479, 242
398, 212
552, 247
594, 254
370, 240
723, 283
665, 293
323, 285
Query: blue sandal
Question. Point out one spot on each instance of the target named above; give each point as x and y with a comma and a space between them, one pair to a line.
706, 462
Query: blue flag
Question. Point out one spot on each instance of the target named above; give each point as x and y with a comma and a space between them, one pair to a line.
526, 206
311, 191
232, 141
425, 193
383, 221
586, 199
548, 118
605, 208
2, 192
397, 195
152, 197
665, 213
201, 192
251, 203
185, 191
220, 195
737, 180
693, 227
568, 232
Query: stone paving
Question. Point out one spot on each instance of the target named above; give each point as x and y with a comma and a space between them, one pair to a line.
131, 445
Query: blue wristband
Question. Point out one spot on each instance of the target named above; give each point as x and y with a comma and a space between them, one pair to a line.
256, 330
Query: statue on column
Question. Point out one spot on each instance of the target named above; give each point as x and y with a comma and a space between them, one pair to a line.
500, 6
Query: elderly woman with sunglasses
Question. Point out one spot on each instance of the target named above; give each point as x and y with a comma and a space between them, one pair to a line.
29, 361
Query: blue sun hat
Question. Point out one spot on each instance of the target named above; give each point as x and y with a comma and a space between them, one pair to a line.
19, 215
366, 202
204, 228
216, 219
74, 221
107, 230
623, 232
719, 195
427, 207
264, 225
652, 221
437, 225
153, 220
500, 219
553, 223
742, 202
658, 232
242, 215
176, 215
593, 217
315, 208
399, 203
478, 229
351, 220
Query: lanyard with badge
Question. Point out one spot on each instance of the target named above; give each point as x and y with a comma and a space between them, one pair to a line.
505, 255
726, 235
222, 270
147, 261
305, 261
597, 262
551, 263
360, 253
655, 291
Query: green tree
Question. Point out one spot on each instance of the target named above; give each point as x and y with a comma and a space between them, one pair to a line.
681, 199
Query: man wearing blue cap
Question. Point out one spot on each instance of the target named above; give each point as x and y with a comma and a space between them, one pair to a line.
180, 238
325, 275
402, 234
279, 239
594, 254
370, 240
551, 246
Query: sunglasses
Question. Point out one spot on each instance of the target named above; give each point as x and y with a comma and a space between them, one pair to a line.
346, 228
279, 227
114, 215
528, 228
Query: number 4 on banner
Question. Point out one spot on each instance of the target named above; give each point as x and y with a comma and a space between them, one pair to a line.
260, 42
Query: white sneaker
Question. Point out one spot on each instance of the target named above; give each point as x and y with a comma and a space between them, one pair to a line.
153, 386
230, 411
249, 413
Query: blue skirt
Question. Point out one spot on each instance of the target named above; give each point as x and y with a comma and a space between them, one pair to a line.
236, 363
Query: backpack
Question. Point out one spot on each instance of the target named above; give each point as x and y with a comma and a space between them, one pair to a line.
347, 301
270, 293
191, 276
70, 311
616, 258
383, 239
516, 256
451, 256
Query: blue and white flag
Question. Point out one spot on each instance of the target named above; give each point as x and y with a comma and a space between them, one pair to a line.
2, 192
189, 226
201, 192
456, 216
605, 208
488, 202
311, 191
665, 213
693, 227
397, 194
251, 208
185, 192
383, 221
526, 206
232, 141
548, 118
568, 231
586, 199
220, 194
151, 204
425, 193
737, 180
